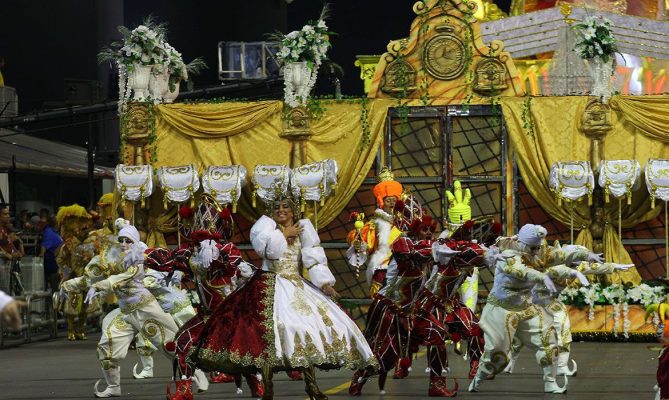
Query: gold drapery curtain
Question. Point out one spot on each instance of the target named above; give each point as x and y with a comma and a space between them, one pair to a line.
556, 137
648, 114
248, 134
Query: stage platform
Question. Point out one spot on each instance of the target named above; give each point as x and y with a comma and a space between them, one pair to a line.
67, 370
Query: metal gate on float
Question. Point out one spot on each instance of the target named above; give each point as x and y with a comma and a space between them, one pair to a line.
427, 151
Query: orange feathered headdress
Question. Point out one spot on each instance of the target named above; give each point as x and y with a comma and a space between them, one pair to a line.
386, 187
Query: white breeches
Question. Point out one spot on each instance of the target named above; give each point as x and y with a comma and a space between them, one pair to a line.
118, 329
532, 326
561, 324
146, 348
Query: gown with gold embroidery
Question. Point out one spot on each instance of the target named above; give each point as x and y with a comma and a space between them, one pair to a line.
280, 319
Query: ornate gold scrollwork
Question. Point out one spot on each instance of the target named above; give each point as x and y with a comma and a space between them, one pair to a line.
138, 130
490, 77
399, 76
596, 120
596, 124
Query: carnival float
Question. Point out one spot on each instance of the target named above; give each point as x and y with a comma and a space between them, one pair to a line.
562, 125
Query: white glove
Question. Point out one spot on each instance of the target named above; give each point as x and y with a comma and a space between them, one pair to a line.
90, 295
549, 284
622, 267
594, 257
135, 254
208, 252
581, 278
446, 251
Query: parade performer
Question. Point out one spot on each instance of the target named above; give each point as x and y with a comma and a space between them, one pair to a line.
278, 320
441, 297
138, 312
106, 216
586, 263
165, 287
74, 223
662, 313
509, 311
392, 329
216, 269
372, 245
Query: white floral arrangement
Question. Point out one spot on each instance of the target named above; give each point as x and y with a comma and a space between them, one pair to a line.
616, 295
146, 45
310, 45
598, 46
597, 40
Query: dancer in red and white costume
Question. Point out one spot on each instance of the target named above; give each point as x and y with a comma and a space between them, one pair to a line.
278, 320
216, 269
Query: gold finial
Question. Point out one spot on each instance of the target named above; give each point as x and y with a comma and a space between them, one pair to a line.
385, 175
565, 9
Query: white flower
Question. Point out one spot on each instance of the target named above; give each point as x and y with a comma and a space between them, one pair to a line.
590, 32
308, 29
293, 35
321, 24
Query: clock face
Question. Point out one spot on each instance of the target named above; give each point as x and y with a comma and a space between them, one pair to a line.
444, 57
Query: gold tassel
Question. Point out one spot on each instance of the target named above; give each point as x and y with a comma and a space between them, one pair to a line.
652, 200
165, 201
606, 194
302, 201
629, 198
143, 203
334, 188
322, 189
589, 199
178, 227
234, 206
253, 199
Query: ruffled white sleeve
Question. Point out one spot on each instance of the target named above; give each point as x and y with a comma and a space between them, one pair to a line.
266, 240
4, 300
313, 256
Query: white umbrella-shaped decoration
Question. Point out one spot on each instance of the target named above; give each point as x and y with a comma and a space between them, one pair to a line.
315, 182
619, 178
657, 181
270, 179
225, 183
134, 182
571, 181
179, 184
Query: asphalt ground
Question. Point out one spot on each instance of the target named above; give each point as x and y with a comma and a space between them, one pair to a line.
58, 369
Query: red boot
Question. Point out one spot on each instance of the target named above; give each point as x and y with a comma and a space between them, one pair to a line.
473, 367
255, 384
219, 377
295, 375
402, 368
357, 382
438, 387
184, 390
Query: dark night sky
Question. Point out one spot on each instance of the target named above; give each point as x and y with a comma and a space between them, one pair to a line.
45, 42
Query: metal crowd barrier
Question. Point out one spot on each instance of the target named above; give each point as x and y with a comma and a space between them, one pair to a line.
40, 321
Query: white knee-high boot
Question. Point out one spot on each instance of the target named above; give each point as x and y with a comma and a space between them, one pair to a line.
147, 368
200, 380
113, 378
563, 365
550, 384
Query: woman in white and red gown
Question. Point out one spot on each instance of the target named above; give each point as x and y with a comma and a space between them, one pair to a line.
278, 320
